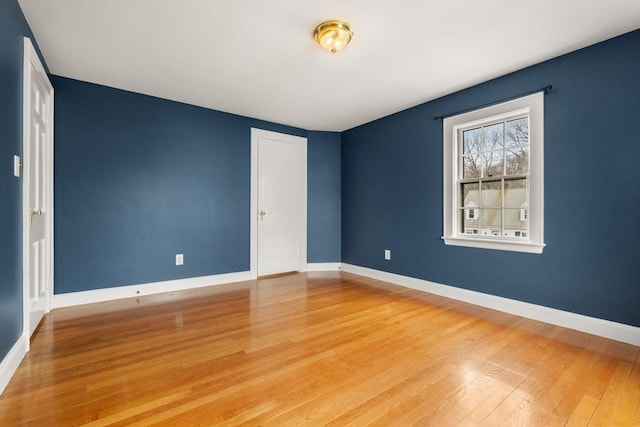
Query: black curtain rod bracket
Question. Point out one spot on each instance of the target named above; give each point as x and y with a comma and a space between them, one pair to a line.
545, 89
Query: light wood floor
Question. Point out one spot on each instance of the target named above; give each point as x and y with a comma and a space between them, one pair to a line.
316, 349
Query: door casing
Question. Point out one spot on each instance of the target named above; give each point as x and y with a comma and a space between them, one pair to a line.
256, 134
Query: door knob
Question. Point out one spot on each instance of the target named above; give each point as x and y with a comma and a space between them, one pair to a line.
262, 214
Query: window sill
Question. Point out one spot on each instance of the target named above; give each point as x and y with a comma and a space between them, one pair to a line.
500, 245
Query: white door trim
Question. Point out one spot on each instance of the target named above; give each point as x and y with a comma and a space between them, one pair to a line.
31, 58
256, 134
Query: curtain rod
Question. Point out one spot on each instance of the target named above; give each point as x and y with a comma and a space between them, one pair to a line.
545, 89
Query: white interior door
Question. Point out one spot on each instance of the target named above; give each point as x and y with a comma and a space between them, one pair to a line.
280, 205
38, 189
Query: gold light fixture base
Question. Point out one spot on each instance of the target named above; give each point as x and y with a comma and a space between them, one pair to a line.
333, 35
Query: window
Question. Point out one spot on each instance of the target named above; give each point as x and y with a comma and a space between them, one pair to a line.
493, 176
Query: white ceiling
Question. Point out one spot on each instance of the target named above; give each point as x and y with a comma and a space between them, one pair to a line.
258, 58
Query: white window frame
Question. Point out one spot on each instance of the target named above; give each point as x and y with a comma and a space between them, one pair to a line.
531, 105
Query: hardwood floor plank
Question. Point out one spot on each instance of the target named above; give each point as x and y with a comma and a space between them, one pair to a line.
318, 348
629, 397
605, 412
584, 411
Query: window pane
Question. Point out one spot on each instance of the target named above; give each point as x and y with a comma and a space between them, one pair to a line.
493, 163
491, 194
472, 166
470, 195
493, 137
470, 225
490, 222
513, 226
517, 160
517, 132
471, 141
515, 193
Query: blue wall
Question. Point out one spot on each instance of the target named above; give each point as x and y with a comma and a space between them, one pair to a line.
392, 189
323, 198
13, 28
139, 179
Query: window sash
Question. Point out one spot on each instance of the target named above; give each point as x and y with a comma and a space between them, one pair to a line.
511, 218
472, 218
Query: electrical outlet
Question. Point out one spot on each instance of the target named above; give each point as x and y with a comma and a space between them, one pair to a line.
387, 254
179, 259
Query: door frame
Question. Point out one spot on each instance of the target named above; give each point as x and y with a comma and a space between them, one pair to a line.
256, 134
31, 58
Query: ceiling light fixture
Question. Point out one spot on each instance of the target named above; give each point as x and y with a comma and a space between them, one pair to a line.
333, 35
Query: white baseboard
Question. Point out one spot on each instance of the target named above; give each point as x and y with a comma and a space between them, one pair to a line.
12, 360
592, 325
323, 266
108, 294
